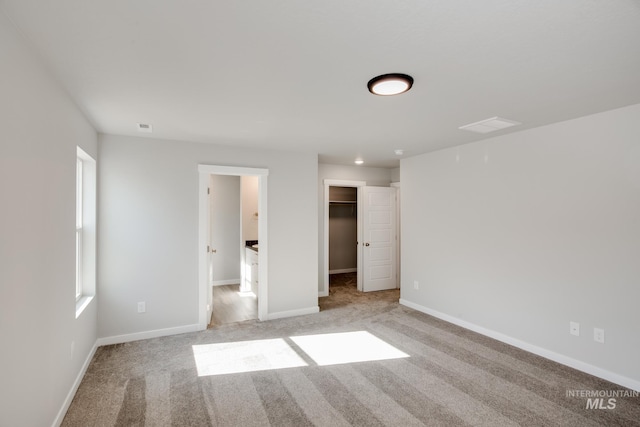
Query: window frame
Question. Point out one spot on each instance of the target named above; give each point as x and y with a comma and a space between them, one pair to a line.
85, 229
79, 226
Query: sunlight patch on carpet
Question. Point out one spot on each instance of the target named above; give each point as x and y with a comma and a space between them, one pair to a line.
346, 347
245, 356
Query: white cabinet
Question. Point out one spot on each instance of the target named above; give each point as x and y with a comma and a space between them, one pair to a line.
251, 270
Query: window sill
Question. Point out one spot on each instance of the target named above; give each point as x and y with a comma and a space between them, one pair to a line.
82, 303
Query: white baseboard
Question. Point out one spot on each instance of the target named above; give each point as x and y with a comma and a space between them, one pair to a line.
292, 313
547, 354
74, 388
343, 270
226, 282
323, 294
119, 339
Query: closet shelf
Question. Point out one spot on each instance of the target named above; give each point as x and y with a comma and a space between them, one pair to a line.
343, 202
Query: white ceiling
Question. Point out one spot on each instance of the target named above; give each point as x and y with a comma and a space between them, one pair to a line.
292, 74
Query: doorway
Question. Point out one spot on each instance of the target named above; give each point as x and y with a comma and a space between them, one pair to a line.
205, 250
357, 185
377, 239
232, 256
343, 236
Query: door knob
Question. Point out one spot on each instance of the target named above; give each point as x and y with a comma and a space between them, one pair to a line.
366, 244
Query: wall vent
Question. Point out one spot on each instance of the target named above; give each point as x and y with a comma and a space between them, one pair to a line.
489, 125
144, 127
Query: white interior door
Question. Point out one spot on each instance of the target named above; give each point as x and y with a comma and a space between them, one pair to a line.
379, 238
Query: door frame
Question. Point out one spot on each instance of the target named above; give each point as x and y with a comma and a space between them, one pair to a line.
340, 183
204, 170
396, 185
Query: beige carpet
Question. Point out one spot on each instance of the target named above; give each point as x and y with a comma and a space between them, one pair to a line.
449, 376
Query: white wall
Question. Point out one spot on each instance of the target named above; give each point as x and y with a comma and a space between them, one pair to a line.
225, 228
148, 212
44, 347
372, 176
521, 234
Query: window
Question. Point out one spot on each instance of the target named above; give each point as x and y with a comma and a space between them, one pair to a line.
85, 230
78, 228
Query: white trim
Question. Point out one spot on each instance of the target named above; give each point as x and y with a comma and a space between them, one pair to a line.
396, 185
203, 240
543, 352
205, 171
74, 388
86, 212
338, 183
343, 270
83, 303
226, 282
137, 336
343, 183
263, 253
293, 313
232, 170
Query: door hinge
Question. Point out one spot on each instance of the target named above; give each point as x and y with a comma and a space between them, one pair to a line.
208, 248
208, 191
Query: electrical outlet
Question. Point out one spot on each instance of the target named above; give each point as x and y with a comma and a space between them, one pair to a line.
598, 335
416, 285
142, 307
574, 328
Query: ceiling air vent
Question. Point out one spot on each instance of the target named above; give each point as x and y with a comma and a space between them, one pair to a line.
144, 127
489, 125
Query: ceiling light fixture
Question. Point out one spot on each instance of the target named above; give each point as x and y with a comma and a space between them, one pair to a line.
399, 152
359, 162
390, 84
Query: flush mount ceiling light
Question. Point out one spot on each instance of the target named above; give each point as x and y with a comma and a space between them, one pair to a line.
359, 162
390, 84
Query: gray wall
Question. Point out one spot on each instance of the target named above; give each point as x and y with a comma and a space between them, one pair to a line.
43, 345
148, 210
225, 228
395, 175
343, 228
343, 236
521, 234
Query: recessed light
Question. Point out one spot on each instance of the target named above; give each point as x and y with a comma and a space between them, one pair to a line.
144, 127
359, 162
390, 84
399, 152
490, 125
